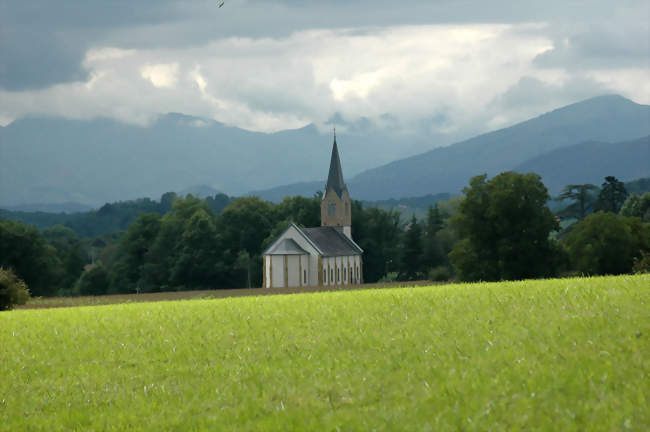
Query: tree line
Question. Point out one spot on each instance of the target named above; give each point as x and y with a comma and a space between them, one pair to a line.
501, 228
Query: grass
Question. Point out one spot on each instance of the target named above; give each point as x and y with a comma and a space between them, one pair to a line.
569, 354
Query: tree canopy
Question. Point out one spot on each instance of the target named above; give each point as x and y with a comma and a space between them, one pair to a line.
504, 224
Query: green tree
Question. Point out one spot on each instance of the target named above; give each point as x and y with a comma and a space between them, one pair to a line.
505, 226
432, 251
23, 249
94, 281
377, 232
13, 291
606, 243
612, 195
299, 210
198, 257
126, 272
583, 197
637, 206
411, 262
70, 253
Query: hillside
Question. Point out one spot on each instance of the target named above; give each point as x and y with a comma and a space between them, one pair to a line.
448, 169
54, 160
590, 162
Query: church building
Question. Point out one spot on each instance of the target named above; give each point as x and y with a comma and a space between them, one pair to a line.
324, 255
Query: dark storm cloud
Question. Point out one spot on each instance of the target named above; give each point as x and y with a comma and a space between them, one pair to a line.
43, 42
600, 46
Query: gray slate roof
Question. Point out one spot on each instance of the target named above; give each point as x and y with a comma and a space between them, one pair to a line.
331, 242
287, 247
335, 176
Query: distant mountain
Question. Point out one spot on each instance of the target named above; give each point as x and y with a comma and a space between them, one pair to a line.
448, 169
54, 160
66, 207
590, 162
201, 191
277, 194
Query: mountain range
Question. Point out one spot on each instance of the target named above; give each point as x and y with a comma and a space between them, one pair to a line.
54, 160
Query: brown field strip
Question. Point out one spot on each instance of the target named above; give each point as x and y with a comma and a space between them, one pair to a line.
56, 302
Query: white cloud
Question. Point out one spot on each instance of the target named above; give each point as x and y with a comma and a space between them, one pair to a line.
160, 75
413, 73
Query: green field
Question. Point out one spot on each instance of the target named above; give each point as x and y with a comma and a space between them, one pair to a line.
568, 354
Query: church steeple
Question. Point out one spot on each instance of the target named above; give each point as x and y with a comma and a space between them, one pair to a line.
336, 204
335, 176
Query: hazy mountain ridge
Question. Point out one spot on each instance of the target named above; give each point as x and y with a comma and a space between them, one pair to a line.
589, 162
448, 169
53, 160
92, 162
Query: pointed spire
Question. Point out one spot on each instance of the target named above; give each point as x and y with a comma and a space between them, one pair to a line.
335, 177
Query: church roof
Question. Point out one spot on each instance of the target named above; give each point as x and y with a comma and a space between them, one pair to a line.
286, 247
331, 242
335, 176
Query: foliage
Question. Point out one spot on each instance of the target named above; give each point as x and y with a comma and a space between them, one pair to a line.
605, 243
111, 217
642, 263
70, 252
505, 225
583, 196
612, 195
411, 257
637, 206
13, 291
567, 354
94, 281
23, 249
378, 233
439, 274
433, 254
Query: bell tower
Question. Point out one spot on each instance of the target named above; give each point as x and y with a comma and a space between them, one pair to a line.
336, 206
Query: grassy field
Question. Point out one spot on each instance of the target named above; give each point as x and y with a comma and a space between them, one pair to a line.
569, 354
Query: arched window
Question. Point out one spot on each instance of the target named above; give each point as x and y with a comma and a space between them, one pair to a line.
324, 276
331, 208
345, 274
338, 274
304, 272
331, 275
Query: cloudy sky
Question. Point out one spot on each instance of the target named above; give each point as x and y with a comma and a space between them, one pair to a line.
449, 67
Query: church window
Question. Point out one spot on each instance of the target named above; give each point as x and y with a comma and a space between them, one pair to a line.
338, 274
331, 208
345, 274
324, 276
304, 273
331, 275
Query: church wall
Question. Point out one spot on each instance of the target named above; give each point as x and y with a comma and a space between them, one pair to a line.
313, 270
277, 279
267, 271
293, 270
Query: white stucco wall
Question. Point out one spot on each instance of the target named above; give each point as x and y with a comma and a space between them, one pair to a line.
267, 270
293, 270
277, 261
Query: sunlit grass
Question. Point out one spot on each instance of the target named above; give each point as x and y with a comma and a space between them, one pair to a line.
569, 354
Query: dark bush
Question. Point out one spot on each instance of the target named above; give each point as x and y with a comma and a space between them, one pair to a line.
94, 281
13, 291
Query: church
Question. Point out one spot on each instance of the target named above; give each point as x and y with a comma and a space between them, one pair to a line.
324, 255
